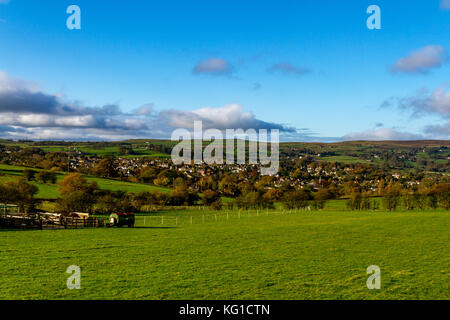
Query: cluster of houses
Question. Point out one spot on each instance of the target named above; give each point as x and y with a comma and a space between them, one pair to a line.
313, 173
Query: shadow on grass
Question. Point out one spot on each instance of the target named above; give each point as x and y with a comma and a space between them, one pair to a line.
18, 230
30, 230
154, 228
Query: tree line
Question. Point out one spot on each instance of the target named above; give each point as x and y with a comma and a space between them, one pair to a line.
79, 195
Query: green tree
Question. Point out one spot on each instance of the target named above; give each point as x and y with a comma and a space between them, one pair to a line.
354, 202
408, 199
440, 196
296, 199
28, 174
45, 176
420, 198
320, 198
391, 197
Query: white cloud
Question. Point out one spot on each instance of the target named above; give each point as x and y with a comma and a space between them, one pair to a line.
145, 110
381, 135
213, 66
229, 116
289, 69
8, 83
445, 4
422, 60
441, 131
425, 103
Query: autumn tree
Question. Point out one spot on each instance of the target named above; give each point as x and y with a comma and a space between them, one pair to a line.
320, 198
106, 168
209, 197
442, 191
228, 186
296, 199
77, 195
21, 193
391, 197
181, 196
439, 195
148, 174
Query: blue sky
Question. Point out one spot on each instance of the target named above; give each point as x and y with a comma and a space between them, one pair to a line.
309, 65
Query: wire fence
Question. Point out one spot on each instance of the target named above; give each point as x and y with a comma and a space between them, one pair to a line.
200, 218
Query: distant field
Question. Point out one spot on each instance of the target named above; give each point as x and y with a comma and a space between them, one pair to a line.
49, 191
107, 151
308, 255
343, 159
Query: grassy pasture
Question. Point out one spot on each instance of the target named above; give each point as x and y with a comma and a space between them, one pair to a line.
342, 159
49, 191
306, 255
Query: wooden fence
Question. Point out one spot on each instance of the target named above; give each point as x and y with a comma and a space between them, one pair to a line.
35, 221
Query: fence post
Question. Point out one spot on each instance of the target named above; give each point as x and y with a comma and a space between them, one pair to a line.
162, 219
191, 219
176, 220
215, 217
228, 216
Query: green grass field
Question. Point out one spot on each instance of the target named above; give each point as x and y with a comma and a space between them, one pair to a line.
342, 159
307, 255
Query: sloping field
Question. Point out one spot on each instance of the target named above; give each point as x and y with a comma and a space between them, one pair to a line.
49, 191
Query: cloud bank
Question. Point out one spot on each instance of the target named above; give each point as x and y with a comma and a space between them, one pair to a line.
434, 103
382, 135
27, 111
424, 102
422, 60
